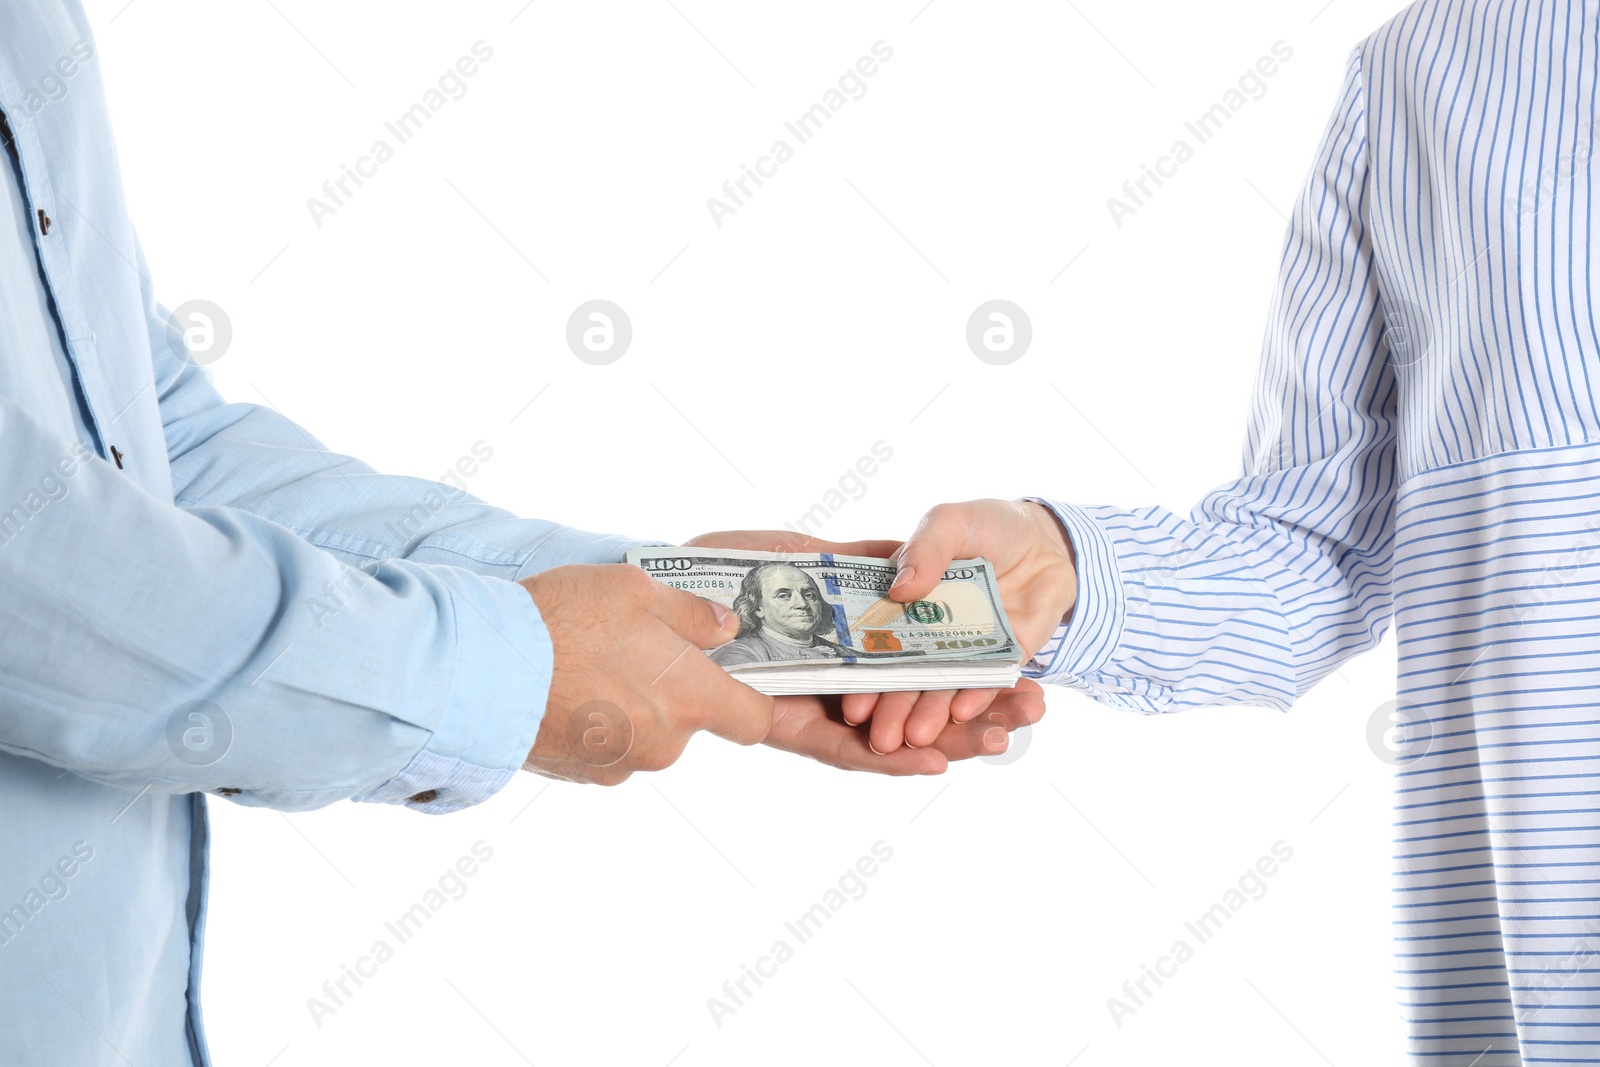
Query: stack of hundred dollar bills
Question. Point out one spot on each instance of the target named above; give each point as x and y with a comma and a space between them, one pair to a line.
825, 623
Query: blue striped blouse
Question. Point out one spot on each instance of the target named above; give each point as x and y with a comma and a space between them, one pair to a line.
1424, 444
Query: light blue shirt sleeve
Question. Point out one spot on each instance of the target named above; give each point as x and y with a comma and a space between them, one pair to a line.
330, 657
1280, 575
141, 614
252, 460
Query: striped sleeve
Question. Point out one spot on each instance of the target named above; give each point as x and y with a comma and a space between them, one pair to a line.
1278, 576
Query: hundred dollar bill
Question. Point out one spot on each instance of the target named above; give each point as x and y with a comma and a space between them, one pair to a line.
825, 623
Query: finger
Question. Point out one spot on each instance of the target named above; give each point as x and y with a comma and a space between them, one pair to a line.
988, 734
802, 725
970, 702
928, 716
697, 620
888, 729
857, 707
940, 537
786, 541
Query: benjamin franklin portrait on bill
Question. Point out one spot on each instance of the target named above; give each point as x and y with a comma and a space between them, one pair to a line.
782, 616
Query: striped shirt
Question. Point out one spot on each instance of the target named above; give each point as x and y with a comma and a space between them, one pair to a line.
1424, 443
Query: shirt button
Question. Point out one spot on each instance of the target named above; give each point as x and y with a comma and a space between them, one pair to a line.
229, 791
44, 223
427, 796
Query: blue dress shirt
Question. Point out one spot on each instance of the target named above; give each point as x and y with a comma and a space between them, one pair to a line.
199, 599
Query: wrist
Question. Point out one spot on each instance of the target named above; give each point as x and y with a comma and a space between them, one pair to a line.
1051, 532
1055, 541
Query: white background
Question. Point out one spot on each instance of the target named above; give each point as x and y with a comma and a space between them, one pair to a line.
827, 314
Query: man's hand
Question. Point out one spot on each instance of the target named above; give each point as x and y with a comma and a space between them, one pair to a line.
631, 683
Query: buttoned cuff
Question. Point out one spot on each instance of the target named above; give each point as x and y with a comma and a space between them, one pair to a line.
502, 678
1086, 641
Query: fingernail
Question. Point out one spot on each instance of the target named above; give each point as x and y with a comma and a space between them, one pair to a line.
724, 615
875, 749
903, 575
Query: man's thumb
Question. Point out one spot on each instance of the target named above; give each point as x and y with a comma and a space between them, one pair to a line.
702, 622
